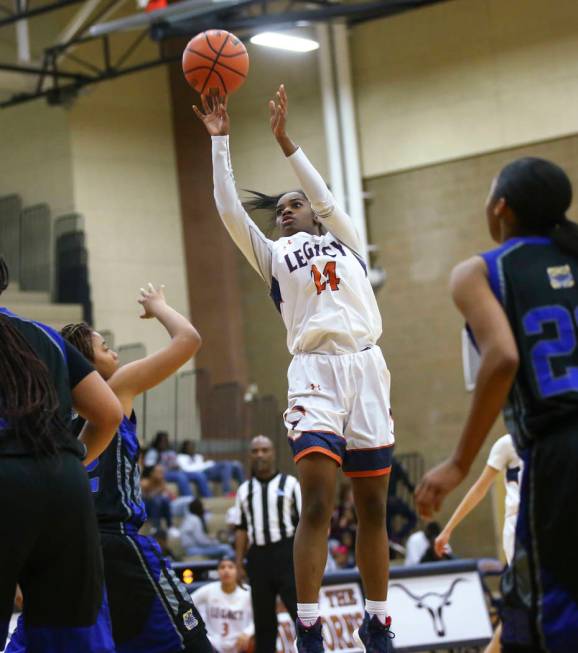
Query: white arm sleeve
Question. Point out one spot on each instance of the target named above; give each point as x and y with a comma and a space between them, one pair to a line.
332, 217
244, 232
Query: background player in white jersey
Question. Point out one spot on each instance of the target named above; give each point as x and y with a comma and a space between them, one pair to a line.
227, 610
339, 409
504, 459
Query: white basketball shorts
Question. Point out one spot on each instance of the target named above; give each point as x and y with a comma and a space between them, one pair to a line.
339, 406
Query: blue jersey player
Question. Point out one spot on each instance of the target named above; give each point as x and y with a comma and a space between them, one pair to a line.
49, 536
151, 610
521, 303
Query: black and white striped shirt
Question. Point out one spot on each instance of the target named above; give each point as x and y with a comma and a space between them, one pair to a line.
268, 510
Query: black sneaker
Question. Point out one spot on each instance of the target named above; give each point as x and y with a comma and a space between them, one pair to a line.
309, 638
373, 637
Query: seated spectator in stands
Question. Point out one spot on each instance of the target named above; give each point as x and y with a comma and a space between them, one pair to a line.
342, 556
156, 496
420, 545
227, 610
194, 537
221, 471
160, 453
398, 509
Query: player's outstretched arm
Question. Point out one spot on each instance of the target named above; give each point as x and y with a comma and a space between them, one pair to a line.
322, 201
96, 403
475, 494
244, 232
498, 366
135, 378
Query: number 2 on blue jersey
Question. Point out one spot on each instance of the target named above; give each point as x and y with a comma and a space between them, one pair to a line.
545, 350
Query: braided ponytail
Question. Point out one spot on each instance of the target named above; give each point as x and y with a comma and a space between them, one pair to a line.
29, 404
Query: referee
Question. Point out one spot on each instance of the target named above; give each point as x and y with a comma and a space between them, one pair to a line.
267, 512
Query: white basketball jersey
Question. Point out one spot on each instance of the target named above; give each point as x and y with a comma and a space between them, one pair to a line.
226, 616
318, 283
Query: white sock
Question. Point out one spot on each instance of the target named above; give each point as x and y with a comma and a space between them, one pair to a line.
308, 613
378, 608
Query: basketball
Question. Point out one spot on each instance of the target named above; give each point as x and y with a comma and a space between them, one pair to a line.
215, 61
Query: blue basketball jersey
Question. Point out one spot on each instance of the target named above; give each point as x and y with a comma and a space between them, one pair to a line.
115, 481
536, 283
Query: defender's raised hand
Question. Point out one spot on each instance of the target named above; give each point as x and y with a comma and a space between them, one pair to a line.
214, 115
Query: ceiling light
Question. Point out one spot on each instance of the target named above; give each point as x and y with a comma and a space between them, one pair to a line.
284, 42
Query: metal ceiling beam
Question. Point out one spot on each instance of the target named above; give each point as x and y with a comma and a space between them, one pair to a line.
29, 70
232, 15
36, 11
353, 13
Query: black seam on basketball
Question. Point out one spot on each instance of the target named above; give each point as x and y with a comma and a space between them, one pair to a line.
231, 70
188, 71
206, 56
216, 72
215, 63
210, 44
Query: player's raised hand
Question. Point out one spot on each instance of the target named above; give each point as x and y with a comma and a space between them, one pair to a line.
151, 299
278, 110
214, 116
435, 486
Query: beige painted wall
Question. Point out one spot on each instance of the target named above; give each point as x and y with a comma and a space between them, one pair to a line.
35, 155
125, 185
464, 77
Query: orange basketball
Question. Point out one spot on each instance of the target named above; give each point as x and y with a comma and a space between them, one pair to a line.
215, 61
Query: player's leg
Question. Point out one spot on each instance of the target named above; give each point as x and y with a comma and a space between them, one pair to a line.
371, 544
555, 533
494, 645
367, 462
315, 420
65, 559
318, 478
151, 609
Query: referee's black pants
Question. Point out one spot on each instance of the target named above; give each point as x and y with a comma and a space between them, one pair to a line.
270, 570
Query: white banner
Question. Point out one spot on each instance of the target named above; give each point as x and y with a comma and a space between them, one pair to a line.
429, 612
439, 610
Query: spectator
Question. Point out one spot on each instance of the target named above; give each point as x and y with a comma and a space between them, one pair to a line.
418, 545
194, 537
397, 507
342, 557
227, 610
156, 496
222, 471
344, 520
162, 538
160, 453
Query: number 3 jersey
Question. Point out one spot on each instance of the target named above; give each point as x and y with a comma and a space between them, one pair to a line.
536, 283
318, 283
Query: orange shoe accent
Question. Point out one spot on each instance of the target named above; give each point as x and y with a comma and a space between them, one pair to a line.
325, 452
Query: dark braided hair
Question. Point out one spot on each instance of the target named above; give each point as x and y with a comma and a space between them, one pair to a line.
539, 192
80, 335
29, 404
